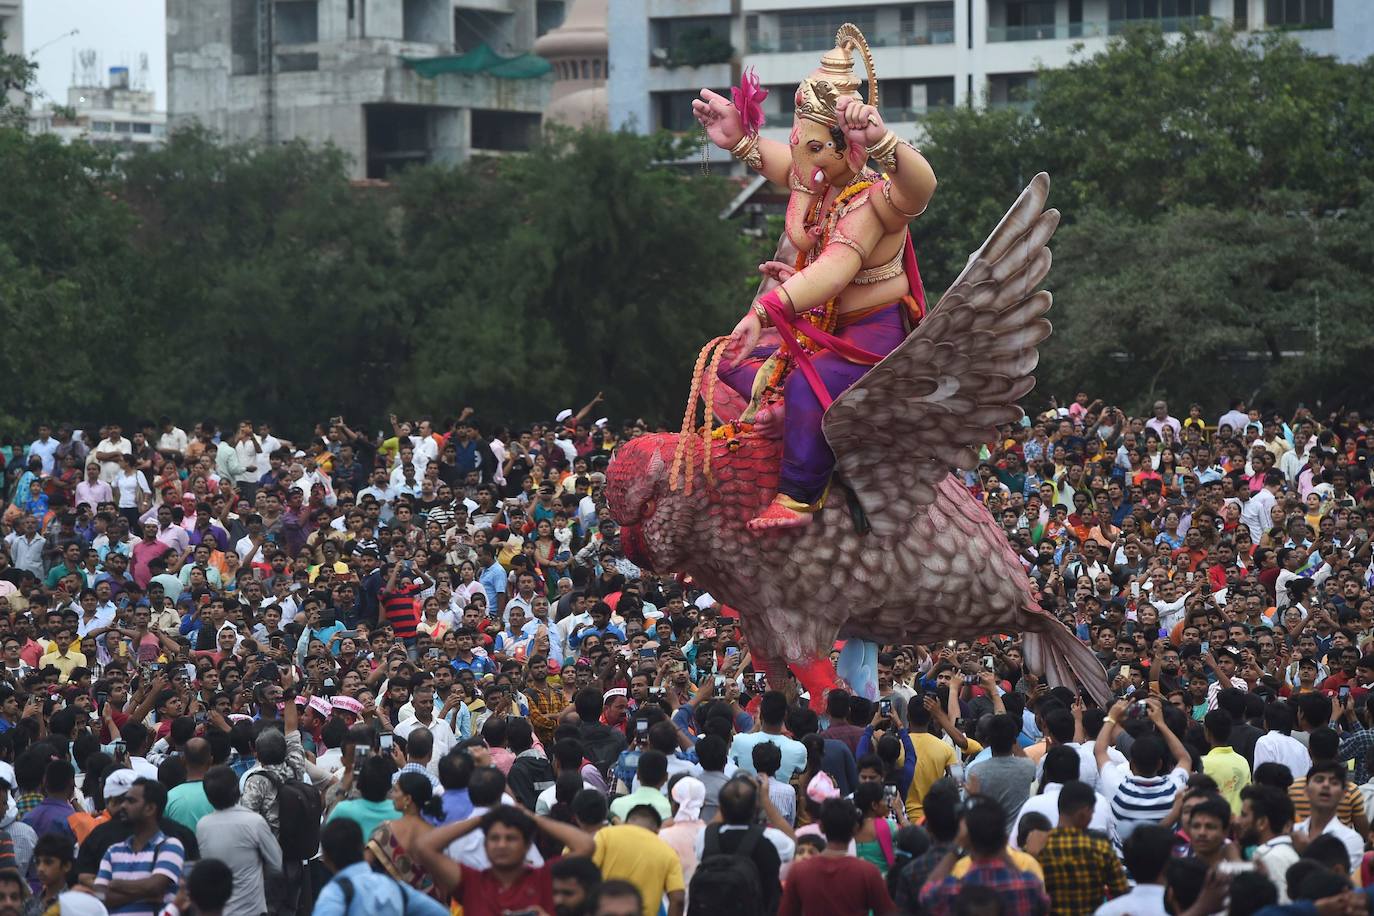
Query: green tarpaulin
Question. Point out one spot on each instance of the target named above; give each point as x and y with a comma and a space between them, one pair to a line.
482, 59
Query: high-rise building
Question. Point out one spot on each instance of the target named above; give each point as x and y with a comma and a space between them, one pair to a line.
929, 54
116, 114
12, 40
390, 82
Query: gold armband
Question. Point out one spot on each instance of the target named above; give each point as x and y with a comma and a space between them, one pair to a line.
884, 152
747, 151
762, 312
887, 196
839, 238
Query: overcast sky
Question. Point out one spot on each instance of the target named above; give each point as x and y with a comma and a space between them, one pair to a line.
118, 30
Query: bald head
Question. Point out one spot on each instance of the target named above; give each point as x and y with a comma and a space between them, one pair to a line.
197, 754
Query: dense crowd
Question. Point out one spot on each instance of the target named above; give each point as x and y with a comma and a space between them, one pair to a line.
384, 673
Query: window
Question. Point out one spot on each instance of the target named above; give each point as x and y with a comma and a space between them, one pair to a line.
1170, 14
673, 111
103, 127
1298, 14
123, 127
140, 128
1240, 15
504, 130
690, 42
1030, 12
298, 22
243, 37
815, 31
549, 15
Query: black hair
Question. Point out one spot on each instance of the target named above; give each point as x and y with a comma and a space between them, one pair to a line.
221, 785
1271, 803
485, 787
1147, 852
210, 884
341, 841
589, 807
374, 780
839, 819
509, 816
985, 820
421, 791
154, 793
54, 845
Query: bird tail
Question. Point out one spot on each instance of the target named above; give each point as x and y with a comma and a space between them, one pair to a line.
1066, 661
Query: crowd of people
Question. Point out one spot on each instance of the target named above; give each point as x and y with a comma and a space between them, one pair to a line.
397, 672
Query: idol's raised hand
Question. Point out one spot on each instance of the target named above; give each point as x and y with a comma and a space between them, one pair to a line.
862, 124
720, 117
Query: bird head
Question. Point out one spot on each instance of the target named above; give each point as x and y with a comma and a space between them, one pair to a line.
641, 501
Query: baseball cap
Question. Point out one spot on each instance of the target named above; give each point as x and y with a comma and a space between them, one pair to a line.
118, 782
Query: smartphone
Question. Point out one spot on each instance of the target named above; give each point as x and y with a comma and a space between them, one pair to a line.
1344, 693
885, 707
434, 653
359, 756
384, 742
119, 748
348, 634
708, 633
101, 699
200, 718
642, 728
731, 651
646, 653
988, 662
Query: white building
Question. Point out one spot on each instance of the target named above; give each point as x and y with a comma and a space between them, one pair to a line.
931, 53
12, 25
390, 82
113, 115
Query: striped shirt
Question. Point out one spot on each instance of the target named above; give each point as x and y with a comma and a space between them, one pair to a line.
1351, 806
1143, 800
401, 612
161, 855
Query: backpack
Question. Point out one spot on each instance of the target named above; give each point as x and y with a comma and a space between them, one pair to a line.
726, 884
299, 811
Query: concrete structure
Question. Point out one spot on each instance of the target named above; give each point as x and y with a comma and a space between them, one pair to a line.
12, 25
578, 50
113, 115
386, 81
932, 53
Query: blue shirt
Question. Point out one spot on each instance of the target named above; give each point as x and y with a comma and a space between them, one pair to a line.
493, 580
793, 753
374, 894
457, 805
51, 815
479, 665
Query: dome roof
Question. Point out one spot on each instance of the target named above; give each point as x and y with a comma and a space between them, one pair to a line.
583, 108
582, 34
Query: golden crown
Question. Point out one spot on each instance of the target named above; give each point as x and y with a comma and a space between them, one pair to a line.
819, 94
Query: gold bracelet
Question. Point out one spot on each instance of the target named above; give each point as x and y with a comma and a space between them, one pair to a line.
887, 196
763, 315
885, 151
1110, 719
747, 151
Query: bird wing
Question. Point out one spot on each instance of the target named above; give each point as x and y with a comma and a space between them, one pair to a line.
929, 405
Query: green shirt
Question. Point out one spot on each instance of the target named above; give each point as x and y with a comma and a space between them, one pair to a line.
187, 804
368, 814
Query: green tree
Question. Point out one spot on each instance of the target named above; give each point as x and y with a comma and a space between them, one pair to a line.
577, 268
1195, 174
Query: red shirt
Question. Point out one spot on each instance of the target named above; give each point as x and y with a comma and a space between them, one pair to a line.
834, 886
481, 894
401, 611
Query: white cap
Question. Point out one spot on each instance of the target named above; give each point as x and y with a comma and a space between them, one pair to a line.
118, 782
563, 415
601, 424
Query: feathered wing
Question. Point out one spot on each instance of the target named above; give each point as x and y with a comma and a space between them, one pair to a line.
929, 405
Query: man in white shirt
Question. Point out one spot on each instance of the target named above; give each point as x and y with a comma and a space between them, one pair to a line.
1266, 813
1277, 746
485, 790
107, 452
1258, 512
45, 447
1236, 417
1325, 789
420, 712
1162, 419
172, 440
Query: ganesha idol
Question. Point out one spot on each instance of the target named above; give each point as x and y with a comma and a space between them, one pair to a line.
853, 292
825, 506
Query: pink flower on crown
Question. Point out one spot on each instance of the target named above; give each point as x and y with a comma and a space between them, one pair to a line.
748, 97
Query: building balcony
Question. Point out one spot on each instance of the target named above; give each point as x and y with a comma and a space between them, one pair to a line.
1052, 32
823, 39
1064, 31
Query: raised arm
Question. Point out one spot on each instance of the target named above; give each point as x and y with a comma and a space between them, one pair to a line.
725, 126
429, 851
1181, 755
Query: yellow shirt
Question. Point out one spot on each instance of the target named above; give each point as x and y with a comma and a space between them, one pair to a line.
63, 663
933, 758
631, 853
1230, 771
1022, 860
